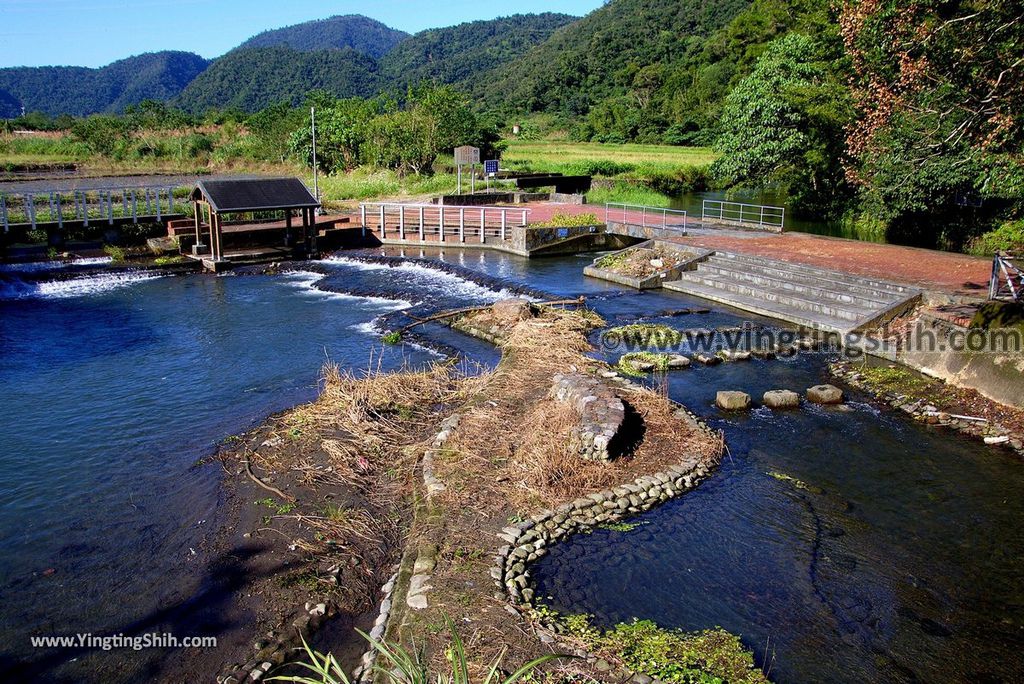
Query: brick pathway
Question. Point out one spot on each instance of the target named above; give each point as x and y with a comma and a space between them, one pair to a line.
925, 268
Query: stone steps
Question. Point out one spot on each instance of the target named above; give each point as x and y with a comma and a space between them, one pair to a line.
798, 286
787, 267
805, 295
774, 277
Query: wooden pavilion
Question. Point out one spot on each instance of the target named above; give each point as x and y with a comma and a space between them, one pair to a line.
259, 211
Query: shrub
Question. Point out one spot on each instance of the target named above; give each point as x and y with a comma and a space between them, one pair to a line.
1008, 237
570, 221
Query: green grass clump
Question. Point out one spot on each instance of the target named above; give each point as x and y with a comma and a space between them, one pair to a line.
395, 665
168, 260
711, 656
628, 367
626, 192
895, 379
116, 254
613, 261
570, 221
393, 337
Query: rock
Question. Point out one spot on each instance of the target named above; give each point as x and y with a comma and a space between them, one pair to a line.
778, 399
1001, 439
511, 311
678, 361
708, 360
658, 263
729, 400
825, 394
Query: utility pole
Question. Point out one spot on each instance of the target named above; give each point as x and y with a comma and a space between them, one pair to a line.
316, 181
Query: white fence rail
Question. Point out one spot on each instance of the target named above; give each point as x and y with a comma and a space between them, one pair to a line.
646, 217
762, 215
418, 221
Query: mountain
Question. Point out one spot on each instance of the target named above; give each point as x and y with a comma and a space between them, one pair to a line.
80, 91
465, 53
352, 31
596, 57
252, 78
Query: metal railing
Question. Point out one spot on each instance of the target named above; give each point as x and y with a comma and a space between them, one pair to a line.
95, 204
422, 220
762, 215
645, 217
1007, 281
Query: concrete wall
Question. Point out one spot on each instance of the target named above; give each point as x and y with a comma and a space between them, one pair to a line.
996, 375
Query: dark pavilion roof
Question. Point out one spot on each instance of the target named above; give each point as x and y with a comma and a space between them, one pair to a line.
254, 194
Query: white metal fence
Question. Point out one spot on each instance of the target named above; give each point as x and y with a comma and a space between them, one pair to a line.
646, 217
95, 204
761, 215
418, 221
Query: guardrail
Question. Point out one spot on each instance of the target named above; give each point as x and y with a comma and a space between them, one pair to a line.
744, 214
439, 220
1007, 281
96, 204
646, 217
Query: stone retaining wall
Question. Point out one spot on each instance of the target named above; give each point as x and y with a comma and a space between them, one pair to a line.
601, 413
923, 411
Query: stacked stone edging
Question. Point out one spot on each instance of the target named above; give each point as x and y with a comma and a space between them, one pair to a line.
601, 413
364, 672
922, 410
278, 645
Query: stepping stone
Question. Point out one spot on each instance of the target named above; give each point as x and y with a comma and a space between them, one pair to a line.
678, 361
707, 360
780, 399
730, 400
825, 394
762, 353
729, 355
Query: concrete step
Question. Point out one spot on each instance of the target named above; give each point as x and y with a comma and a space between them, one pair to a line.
780, 298
801, 285
763, 263
760, 306
820, 278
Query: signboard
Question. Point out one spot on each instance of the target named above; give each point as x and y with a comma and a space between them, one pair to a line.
467, 155
491, 167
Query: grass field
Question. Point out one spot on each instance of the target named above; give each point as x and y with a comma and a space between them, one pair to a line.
624, 159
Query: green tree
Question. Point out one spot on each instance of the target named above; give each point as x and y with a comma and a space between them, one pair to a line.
784, 123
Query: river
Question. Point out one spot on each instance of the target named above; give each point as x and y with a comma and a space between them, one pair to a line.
852, 544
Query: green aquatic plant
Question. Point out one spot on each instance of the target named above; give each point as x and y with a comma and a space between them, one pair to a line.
712, 656
628, 362
622, 526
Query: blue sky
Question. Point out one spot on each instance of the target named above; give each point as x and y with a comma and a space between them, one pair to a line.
96, 32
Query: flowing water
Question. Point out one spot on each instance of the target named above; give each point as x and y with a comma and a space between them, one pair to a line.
842, 544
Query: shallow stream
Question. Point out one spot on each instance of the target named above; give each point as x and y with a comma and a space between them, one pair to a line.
842, 544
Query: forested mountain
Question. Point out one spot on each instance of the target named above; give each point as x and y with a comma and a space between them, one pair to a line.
254, 78
353, 31
80, 91
600, 54
468, 52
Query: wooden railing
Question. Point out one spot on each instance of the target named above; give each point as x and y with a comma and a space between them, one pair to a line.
443, 223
